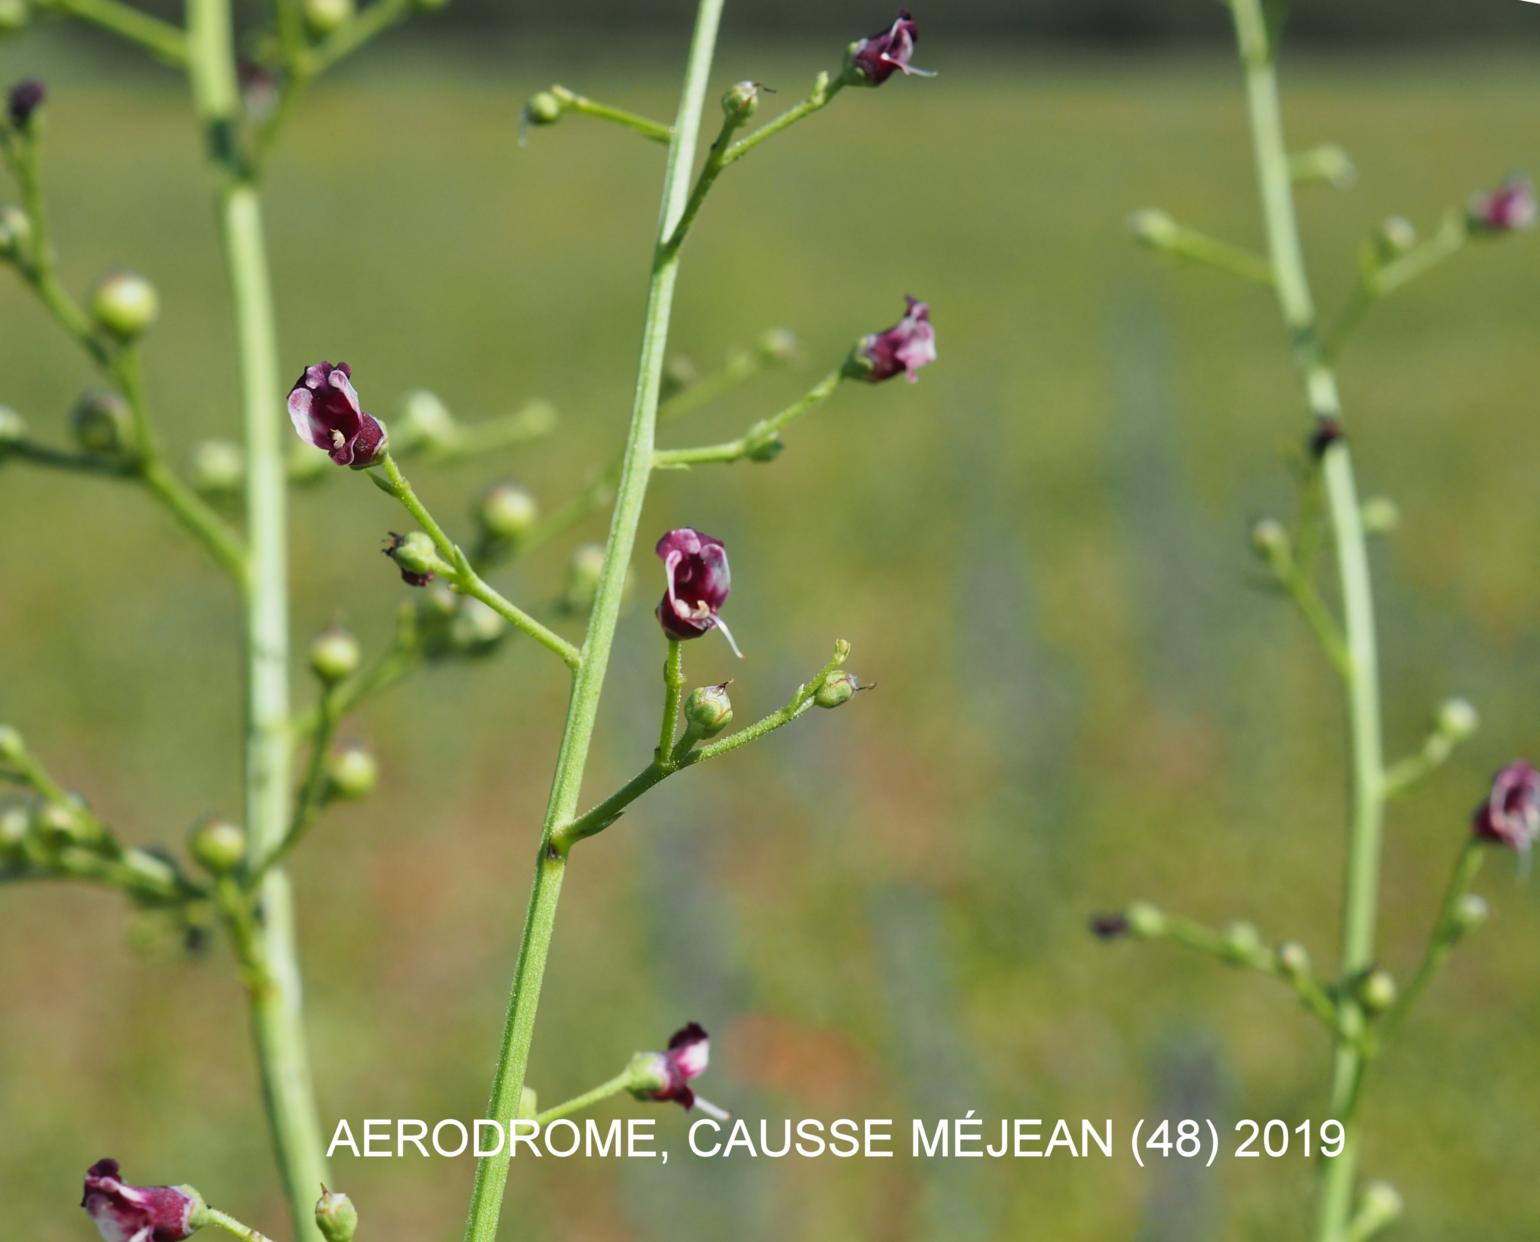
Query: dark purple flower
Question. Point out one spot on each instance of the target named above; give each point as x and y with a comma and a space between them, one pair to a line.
689, 1052
1109, 926
124, 1213
324, 410
25, 98
903, 349
1507, 209
698, 582
1511, 813
877, 58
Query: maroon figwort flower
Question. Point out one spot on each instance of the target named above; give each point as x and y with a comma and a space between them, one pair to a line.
1507, 209
25, 99
670, 1073
124, 1213
324, 409
698, 582
1511, 814
904, 348
1109, 926
875, 59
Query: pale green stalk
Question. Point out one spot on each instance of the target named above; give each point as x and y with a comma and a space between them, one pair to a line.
1362, 672
276, 1005
588, 680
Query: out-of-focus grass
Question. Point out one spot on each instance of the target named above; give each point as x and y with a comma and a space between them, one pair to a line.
1038, 552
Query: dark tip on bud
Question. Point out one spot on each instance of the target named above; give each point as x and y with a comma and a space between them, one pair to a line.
23, 101
217, 845
335, 1216
1109, 926
414, 555
1327, 432
708, 709
837, 689
741, 101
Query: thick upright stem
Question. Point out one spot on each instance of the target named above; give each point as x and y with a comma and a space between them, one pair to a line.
588, 678
1366, 760
276, 1013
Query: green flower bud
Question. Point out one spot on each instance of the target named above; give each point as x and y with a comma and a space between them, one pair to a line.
474, 629
1242, 941
583, 572
1393, 238
217, 845
1270, 540
13, 428
708, 709
125, 304
1380, 515
764, 445
1378, 1206
1293, 959
334, 655
335, 1216
1145, 920
15, 828
679, 372
741, 101
1457, 719
13, 15
425, 421
218, 467
837, 689
416, 556
776, 346
646, 1074
351, 773
543, 108
12, 748
506, 512
1153, 227
15, 232
325, 16
103, 424
67, 823
1376, 991
1469, 913
1328, 162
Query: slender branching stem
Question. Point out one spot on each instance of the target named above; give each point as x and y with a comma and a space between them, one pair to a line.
464, 578
1366, 762
223, 1220
716, 160
588, 684
1193, 246
604, 1091
673, 696
373, 19
312, 790
824, 90
571, 101
1379, 279
761, 441
160, 38
276, 1007
1447, 932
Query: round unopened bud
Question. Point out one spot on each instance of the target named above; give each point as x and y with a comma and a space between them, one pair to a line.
1457, 718
1270, 540
1152, 227
475, 629
351, 773
1293, 959
740, 101
416, 556
776, 346
1469, 913
583, 571
15, 232
15, 828
1395, 236
543, 108
1379, 1205
1328, 162
334, 655
125, 304
708, 709
425, 421
335, 1216
1380, 515
1145, 920
647, 1073
837, 689
217, 844
12, 748
1242, 941
1376, 991
506, 512
218, 467
13, 427
103, 424
13, 15
325, 16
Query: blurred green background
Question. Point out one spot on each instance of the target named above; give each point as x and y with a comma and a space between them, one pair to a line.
1038, 552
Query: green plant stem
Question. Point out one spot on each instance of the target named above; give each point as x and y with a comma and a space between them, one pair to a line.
1366, 761
312, 789
1446, 934
588, 684
1405, 773
616, 1085
716, 160
465, 579
741, 365
276, 1006
371, 20
223, 1220
1379, 280
473, 441
142, 875
571, 101
36, 454
673, 695
159, 38
824, 90
1195, 247
758, 440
